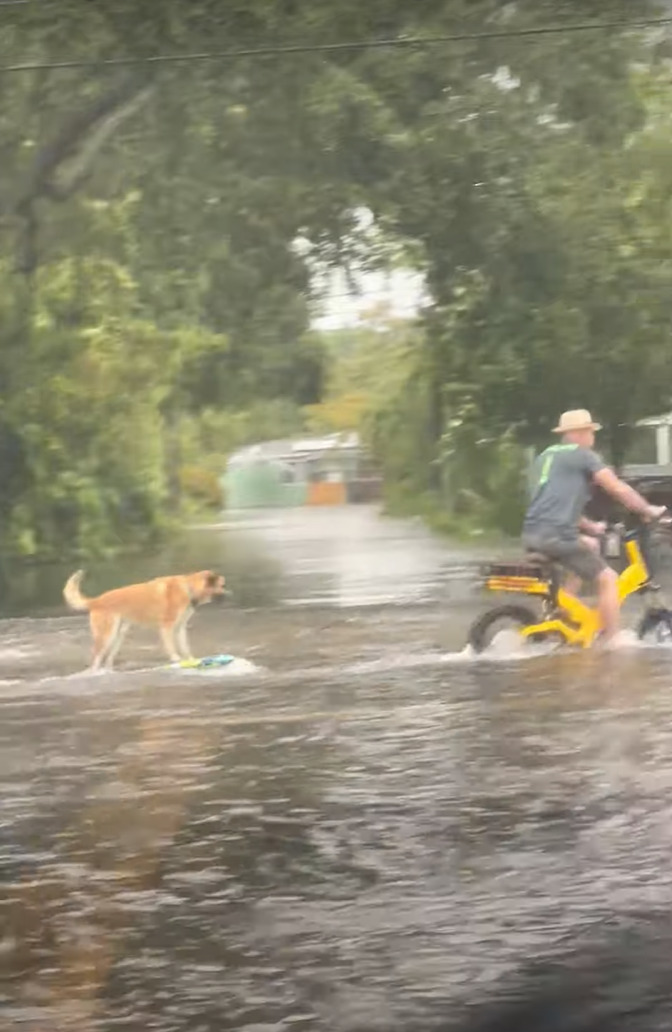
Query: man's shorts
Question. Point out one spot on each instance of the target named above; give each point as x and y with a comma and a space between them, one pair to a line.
569, 552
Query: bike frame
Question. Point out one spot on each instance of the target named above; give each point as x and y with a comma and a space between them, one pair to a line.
576, 622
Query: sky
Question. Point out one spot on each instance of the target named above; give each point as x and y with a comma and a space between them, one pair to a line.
342, 298
399, 290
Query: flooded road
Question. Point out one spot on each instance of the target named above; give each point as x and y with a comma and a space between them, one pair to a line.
366, 831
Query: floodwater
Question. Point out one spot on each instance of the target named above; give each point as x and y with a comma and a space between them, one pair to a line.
358, 836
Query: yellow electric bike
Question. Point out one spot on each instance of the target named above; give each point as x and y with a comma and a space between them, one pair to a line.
564, 619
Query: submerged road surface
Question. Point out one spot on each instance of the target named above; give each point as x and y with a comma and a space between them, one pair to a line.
360, 835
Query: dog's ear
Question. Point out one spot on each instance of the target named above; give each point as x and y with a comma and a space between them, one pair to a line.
213, 580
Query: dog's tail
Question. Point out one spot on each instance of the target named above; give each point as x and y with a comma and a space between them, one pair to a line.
72, 593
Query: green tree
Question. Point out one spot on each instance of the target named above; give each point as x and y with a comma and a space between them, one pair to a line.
151, 216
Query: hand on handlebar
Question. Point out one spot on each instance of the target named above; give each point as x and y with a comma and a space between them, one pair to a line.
657, 514
593, 529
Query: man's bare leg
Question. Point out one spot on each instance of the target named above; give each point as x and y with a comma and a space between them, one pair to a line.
608, 604
572, 585
573, 582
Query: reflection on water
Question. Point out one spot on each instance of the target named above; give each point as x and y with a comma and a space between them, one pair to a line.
354, 840
335, 557
253, 573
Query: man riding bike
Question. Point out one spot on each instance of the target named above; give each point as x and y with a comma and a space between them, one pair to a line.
555, 526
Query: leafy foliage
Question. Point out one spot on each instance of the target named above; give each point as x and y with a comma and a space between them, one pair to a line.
155, 306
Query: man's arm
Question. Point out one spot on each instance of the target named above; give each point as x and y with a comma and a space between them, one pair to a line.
626, 495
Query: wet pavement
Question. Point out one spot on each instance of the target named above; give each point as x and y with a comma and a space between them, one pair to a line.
361, 834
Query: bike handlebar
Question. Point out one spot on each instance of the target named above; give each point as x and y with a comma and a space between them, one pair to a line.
664, 520
642, 532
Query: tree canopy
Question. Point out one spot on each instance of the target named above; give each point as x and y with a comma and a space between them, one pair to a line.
161, 223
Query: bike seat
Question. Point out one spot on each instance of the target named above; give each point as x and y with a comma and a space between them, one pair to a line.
538, 558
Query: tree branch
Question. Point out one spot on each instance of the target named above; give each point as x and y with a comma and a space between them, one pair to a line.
72, 171
61, 166
99, 121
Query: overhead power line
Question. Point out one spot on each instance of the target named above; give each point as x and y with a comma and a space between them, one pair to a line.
287, 50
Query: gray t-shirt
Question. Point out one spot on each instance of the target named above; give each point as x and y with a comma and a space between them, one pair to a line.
561, 482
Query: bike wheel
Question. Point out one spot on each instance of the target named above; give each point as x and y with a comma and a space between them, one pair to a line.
483, 632
655, 627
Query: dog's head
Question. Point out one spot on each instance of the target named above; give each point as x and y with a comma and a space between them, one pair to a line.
206, 585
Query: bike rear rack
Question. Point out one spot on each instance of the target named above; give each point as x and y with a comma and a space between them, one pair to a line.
523, 576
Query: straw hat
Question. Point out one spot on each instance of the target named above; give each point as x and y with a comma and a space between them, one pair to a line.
576, 419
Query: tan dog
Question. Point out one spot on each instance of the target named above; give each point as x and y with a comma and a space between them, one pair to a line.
166, 603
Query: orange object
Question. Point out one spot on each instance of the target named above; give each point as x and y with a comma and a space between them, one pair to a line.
326, 493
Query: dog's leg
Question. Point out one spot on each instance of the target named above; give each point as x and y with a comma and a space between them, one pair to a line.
102, 631
182, 638
168, 639
117, 637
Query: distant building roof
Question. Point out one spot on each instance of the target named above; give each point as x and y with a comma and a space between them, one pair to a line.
665, 420
291, 449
